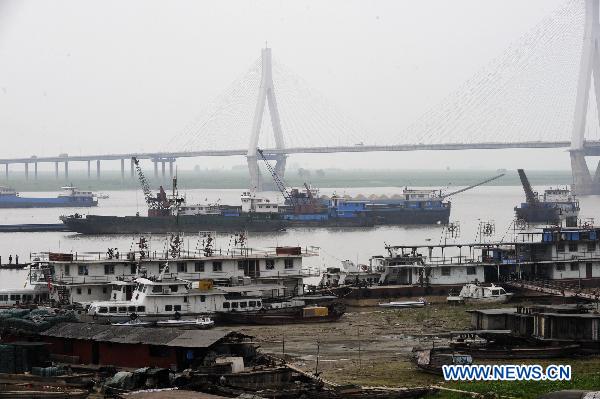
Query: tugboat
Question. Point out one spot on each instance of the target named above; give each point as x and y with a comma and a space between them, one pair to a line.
70, 197
556, 205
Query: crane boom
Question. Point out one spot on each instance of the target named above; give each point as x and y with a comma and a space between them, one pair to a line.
530, 196
473, 186
281, 186
150, 200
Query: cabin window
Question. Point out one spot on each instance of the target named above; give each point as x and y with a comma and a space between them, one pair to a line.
574, 266
471, 270
252, 304
258, 303
3, 298
109, 269
103, 309
141, 309
78, 291
446, 271
560, 267
15, 297
168, 308
240, 265
217, 266
243, 304
82, 270
270, 264
89, 291
202, 298
133, 269
112, 309
591, 246
234, 305
177, 308
181, 267
288, 263
199, 267
225, 305
156, 289
104, 290
173, 288
572, 247
67, 270
185, 299
560, 247
122, 309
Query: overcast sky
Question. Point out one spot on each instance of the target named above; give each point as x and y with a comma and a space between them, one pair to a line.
115, 76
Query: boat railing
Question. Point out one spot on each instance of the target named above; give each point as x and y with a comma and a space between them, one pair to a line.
182, 255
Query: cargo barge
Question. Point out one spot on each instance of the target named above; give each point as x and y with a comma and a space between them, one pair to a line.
553, 207
70, 197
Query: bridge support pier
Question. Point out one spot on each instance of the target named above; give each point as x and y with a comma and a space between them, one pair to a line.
6, 170
26, 171
66, 170
35, 166
122, 169
89, 169
98, 169
155, 168
583, 182
132, 168
163, 169
255, 176
171, 168
56, 170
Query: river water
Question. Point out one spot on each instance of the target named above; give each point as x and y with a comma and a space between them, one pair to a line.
492, 203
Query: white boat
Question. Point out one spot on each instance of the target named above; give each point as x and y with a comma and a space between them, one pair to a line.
201, 322
480, 293
405, 304
134, 323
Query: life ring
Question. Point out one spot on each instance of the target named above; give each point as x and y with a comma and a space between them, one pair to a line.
364, 267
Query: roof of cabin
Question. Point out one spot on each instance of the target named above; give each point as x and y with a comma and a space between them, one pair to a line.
167, 336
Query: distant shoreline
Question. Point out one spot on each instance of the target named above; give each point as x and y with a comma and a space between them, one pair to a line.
238, 179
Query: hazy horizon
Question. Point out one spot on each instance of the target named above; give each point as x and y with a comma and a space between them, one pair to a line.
113, 77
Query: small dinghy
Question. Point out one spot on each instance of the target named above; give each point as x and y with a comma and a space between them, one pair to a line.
134, 323
405, 304
201, 322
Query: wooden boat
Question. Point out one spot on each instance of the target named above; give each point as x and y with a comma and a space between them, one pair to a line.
299, 314
405, 304
200, 322
432, 360
518, 352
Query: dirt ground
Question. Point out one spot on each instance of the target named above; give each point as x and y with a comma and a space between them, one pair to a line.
368, 345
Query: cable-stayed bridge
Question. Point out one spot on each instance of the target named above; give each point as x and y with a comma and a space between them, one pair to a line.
536, 94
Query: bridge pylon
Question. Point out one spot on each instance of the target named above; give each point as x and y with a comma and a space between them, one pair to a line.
583, 181
266, 94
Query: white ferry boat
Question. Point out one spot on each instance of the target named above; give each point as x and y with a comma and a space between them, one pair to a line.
90, 277
172, 298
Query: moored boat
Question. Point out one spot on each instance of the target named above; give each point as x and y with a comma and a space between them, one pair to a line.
405, 304
433, 360
291, 315
70, 197
480, 293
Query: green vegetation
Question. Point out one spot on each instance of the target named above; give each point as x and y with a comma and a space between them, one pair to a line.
237, 178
